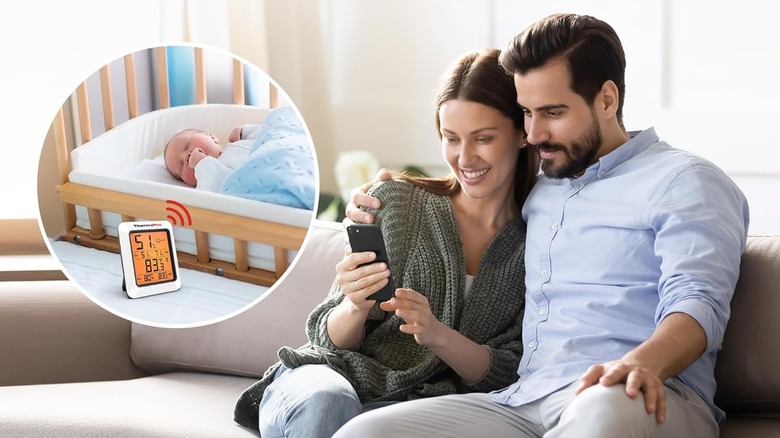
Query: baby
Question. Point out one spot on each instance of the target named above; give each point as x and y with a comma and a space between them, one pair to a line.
196, 157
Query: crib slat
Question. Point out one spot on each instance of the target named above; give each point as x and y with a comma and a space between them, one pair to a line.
108, 101
200, 77
280, 260
242, 255
238, 82
162, 78
95, 224
83, 103
273, 96
131, 85
202, 245
63, 164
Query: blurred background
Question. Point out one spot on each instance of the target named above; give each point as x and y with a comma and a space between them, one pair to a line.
363, 74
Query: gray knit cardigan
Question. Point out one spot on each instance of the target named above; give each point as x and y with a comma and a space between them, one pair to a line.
426, 255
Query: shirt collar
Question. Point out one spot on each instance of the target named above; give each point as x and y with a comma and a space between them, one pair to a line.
638, 143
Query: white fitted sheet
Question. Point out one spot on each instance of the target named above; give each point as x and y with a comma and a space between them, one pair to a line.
203, 298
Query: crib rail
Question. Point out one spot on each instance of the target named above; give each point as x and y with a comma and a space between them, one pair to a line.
242, 230
281, 237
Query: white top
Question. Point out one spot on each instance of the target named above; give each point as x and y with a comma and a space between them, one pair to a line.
469, 282
210, 172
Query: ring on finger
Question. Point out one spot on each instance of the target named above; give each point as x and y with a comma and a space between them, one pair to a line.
356, 285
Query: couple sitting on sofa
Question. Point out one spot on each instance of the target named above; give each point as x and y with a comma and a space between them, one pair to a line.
630, 260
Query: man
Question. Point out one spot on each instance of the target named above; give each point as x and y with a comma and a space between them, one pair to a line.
632, 256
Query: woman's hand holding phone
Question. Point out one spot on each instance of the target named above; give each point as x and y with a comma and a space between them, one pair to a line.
358, 282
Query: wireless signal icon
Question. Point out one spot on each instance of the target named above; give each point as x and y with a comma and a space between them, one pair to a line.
178, 211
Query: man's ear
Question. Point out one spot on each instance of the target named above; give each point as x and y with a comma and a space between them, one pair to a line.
607, 100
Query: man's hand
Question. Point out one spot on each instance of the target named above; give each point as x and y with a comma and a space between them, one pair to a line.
361, 199
636, 377
676, 343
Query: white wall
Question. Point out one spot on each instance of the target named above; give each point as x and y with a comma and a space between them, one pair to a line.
48, 48
703, 73
364, 73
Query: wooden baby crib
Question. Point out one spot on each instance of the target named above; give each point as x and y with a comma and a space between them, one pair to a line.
205, 219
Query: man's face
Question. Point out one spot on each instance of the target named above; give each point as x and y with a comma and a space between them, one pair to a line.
559, 123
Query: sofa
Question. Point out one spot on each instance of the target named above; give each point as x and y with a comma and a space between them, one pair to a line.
69, 368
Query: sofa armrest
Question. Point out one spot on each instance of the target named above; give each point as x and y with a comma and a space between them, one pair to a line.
51, 333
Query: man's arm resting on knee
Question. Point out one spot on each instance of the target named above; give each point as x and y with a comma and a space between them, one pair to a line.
674, 345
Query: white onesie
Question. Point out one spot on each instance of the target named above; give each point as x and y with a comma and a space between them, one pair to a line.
210, 172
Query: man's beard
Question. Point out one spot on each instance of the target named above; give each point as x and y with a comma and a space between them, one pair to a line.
578, 156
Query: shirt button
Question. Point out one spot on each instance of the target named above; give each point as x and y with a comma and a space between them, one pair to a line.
554, 226
544, 273
576, 185
531, 344
542, 312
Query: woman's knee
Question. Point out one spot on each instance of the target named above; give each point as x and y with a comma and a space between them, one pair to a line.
311, 395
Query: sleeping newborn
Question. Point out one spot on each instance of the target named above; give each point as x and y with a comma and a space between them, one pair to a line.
197, 158
272, 162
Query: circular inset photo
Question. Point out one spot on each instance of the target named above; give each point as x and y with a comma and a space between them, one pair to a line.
177, 186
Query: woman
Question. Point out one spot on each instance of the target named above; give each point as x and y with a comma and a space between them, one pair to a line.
455, 246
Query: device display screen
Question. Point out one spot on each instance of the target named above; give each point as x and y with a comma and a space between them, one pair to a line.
152, 257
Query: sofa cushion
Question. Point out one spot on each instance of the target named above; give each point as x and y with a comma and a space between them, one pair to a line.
246, 344
747, 367
51, 332
194, 405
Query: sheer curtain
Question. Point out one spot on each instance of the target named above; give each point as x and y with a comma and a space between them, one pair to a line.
290, 40
238, 26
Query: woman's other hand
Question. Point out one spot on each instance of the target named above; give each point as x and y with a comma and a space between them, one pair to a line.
414, 309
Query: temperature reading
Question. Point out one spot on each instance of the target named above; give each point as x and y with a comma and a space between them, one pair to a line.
152, 253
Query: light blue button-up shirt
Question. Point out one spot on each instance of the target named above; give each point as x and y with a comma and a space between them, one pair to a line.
646, 231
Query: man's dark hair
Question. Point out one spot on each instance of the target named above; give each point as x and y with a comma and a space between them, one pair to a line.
590, 47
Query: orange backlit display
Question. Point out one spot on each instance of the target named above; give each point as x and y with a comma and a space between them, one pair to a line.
152, 259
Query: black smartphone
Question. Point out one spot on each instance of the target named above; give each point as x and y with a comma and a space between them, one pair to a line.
368, 237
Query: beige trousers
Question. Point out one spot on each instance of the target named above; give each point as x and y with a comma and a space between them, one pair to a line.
598, 412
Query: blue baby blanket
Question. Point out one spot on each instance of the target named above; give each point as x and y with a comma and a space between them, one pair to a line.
280, 167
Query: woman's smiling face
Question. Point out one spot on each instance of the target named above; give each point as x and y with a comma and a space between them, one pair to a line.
480, 144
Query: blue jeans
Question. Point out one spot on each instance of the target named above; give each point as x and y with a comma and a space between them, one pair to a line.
310, 401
